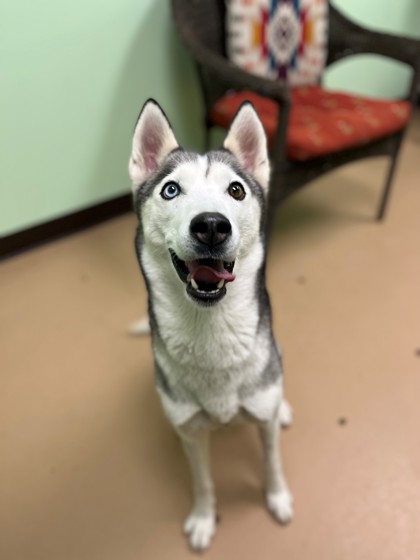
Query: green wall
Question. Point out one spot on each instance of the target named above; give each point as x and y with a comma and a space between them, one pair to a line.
75, 74
375, 75
74, 77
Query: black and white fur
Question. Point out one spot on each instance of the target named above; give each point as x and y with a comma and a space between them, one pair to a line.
215, 356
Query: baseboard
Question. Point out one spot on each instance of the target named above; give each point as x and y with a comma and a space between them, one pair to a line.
60, 227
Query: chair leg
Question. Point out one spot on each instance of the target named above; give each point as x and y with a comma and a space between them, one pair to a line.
388, 183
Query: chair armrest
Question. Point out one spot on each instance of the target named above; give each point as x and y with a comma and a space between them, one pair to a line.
229, 74
236, 78
348, 38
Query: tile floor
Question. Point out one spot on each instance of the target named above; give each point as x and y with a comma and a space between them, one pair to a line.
90, 469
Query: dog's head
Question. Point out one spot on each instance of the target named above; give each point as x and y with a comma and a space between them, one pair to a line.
202, 213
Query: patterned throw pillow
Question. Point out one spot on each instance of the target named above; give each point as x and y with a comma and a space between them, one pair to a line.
283, 39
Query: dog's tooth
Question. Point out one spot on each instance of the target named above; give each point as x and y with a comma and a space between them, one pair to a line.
221, 284
194, 284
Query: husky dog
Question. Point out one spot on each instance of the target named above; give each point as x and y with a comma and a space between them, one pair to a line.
201, 247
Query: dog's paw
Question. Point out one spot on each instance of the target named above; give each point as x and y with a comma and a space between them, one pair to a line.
280, 504
140, 327
286, 414
200, 530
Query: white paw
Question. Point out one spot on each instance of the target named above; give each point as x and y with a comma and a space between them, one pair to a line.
281, 505
286, 414
140, 327
200, 530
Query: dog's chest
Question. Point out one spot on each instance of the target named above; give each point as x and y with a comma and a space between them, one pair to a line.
208, 365
220, 340
210, 356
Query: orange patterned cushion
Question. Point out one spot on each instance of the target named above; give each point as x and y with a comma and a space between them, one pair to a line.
321, 121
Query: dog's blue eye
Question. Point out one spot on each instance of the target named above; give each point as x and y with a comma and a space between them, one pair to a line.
170, 190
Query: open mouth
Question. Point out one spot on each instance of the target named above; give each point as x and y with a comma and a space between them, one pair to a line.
206, 279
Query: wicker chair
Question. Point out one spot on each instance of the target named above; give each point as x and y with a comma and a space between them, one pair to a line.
201, 24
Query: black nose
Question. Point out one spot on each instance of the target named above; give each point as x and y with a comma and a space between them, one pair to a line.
210, 228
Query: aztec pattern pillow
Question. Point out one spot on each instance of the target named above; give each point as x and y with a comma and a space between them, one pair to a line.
283, 39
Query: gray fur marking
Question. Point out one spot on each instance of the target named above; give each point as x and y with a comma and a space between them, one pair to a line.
274, 368
179, 156
154, 327
162, 382
175, 158
224, 156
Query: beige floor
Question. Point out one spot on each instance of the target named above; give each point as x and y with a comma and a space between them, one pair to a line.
90, 469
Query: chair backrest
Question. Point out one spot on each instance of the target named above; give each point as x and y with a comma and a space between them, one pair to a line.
203, 23
204, 20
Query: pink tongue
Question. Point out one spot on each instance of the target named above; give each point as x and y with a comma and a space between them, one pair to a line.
204, 273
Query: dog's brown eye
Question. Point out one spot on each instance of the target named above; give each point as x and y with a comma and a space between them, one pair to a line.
236, 191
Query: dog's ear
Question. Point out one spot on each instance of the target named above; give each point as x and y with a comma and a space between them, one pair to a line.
152, 141
247, 141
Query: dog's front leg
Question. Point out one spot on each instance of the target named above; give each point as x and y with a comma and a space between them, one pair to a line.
279, 499
201, 523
